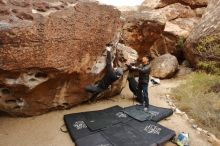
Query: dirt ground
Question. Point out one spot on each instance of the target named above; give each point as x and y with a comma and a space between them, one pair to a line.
44, 130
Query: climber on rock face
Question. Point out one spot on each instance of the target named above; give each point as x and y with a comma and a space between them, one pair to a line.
112, 75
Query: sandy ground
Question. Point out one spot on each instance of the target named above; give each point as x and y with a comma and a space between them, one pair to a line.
44, 130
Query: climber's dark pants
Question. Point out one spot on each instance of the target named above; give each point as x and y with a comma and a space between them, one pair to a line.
94, 90
143, 94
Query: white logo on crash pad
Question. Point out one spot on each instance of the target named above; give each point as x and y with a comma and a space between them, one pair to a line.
153, 113
80, 125
104, 145
121, 115
152, 129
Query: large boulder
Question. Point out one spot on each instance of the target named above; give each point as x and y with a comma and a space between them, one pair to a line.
177, 10
155, 32
181, 27
46, 61
202, 45
142, 29
164, 66
173, 11
186, 23
173, 36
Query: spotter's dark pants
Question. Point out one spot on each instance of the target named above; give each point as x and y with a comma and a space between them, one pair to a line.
143, 94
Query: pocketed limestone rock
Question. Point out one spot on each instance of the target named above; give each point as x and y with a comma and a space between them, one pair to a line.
46, 62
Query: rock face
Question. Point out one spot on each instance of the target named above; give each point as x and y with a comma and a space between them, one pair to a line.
203, 42
157, 3
142, 29
48, 55
155, 32
196, 3
177, 10
162, 3
164, 44
164, 66
181, 27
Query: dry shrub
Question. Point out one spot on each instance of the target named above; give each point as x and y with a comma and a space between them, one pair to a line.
202, 104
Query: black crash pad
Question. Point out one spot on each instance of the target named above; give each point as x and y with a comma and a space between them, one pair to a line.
104, 118
76, 126
153, 132
153, 113
137, 112
96, 139
124, 135
159, 113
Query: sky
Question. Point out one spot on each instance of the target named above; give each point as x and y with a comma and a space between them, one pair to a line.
122, 2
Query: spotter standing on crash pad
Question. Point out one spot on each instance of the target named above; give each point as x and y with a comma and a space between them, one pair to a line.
111, 76
144, 71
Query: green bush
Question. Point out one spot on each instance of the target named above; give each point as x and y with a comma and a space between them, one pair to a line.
180, 42
196, 98
209, 66
209, 46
